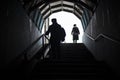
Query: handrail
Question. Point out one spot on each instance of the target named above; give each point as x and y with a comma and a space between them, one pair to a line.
46, 37
28, 48
102, 36
24, 53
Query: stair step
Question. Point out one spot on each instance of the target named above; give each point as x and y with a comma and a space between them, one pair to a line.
71, 76
76, 62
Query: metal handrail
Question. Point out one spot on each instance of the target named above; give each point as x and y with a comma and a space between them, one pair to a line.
26, 50
102, 36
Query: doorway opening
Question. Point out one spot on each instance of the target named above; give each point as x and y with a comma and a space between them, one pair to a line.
67, 20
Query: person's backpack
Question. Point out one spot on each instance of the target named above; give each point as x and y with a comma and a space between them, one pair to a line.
62, 34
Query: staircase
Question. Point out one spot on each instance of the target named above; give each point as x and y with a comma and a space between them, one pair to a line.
75, 63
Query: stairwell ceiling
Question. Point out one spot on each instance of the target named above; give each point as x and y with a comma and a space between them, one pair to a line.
48, 7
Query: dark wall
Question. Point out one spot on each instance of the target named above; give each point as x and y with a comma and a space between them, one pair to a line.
17, 31
105, 21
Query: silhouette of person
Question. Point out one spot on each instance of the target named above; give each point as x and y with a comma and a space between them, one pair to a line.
55, 39
75, 32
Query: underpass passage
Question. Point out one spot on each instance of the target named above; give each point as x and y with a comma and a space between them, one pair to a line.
22, 27
39, 11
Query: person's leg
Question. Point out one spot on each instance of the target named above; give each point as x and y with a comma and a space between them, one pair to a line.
52, 51
58, 52
74, 41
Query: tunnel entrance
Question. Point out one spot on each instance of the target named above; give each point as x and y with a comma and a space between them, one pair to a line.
67, 20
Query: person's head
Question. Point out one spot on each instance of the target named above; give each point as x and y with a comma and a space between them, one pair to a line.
74, 25
54, 20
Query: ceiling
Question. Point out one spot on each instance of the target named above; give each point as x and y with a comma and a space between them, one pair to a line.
48, 7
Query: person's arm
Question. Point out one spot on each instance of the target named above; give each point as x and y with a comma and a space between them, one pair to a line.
72, 32
78, 31
48, 31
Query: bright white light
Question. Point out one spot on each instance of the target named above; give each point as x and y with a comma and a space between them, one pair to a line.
67, 20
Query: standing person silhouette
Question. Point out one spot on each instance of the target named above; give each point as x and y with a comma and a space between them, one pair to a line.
75, 32
55, 39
